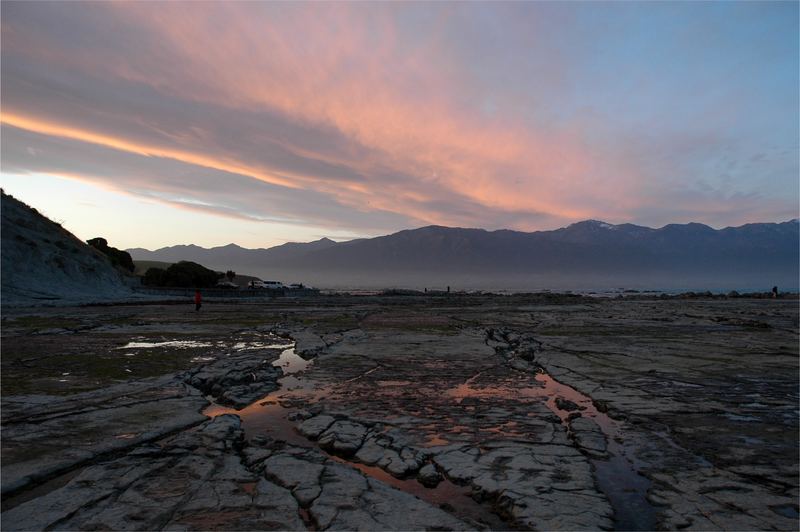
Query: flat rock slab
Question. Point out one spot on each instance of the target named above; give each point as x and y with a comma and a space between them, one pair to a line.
702, 395
237, 380
539, 486
195, 481
339, 497
43, 445
588, 436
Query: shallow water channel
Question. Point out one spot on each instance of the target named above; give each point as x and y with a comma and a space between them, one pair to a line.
268, 417
617, 476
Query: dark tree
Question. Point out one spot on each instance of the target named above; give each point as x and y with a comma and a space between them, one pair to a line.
231, 275
154, 277
190, 274
119, 258
184, 274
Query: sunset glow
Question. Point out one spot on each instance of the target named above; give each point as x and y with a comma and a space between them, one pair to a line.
362, 119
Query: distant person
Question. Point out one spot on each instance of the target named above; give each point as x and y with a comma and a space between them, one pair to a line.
774, 292
198, 300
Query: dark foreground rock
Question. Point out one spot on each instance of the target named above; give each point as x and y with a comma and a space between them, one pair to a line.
554, 413
194, 481
46, 436
237, 380
339, 497
206, 478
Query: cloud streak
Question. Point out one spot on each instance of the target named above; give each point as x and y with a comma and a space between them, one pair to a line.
356, 116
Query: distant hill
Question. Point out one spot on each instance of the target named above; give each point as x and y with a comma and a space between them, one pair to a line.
141, 266
232, 254
43, 262
589, 254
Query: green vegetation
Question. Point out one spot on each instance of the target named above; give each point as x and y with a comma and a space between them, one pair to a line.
92, 367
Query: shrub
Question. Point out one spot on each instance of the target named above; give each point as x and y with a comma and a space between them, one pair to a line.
184, 274
119, 258
154, 277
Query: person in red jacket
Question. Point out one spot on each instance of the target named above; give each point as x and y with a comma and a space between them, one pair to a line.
198, 299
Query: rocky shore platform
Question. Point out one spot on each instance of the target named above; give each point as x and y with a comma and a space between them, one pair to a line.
445, 412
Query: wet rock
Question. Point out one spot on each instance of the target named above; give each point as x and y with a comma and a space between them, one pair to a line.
313, 427
429, 477
343, 437
83, 427
347, 500
520, 365
685, 380
307, 343
237, 381
541, 486
601, 406
372, 451
296, 472
183, 486
588, 436
459, 465
567, 405
299, 416
709, 498
254, 456
277, 502
400, 464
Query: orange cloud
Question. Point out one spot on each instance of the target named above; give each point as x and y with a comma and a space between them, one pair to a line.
415, 142
69, 132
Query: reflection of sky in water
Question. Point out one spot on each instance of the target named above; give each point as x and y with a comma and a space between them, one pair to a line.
267, 416
290, 362
180, 344
242, 346
269, 341
290, 387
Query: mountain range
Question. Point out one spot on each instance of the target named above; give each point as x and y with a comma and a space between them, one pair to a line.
588, 254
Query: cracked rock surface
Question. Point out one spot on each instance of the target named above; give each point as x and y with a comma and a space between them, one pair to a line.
441, 412
192, 481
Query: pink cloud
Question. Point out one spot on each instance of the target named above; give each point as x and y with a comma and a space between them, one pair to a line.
397, 126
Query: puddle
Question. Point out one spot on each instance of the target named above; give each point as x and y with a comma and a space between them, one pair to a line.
290, 362
445, 494
617, 476
244, 346
268, 417
180, 344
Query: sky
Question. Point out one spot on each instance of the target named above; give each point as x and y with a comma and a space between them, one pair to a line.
154, 124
